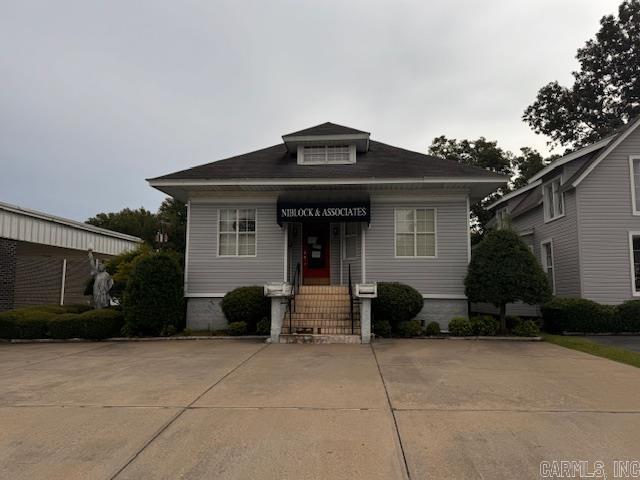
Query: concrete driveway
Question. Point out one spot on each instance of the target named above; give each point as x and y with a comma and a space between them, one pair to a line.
244, 410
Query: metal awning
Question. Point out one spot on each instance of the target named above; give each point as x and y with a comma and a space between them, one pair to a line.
332, 206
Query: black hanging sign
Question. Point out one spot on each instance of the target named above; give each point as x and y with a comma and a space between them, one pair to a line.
324, 211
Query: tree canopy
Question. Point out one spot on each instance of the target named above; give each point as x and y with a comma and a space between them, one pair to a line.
487, 154
503, 270
171, 219
606, 89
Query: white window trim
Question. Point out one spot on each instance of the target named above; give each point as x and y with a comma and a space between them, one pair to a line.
344, 242
543, 261
435, 234
548, 219
632, 181
633, 233
237, 209
352, 155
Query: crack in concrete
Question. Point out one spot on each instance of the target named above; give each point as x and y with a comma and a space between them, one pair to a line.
181, 412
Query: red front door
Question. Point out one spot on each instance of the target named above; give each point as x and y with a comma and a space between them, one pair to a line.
316, 255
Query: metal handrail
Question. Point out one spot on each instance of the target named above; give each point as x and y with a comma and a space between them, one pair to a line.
295, 288
351, 301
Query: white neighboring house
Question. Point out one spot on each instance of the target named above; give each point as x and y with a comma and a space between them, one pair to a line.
580, 216
43, 258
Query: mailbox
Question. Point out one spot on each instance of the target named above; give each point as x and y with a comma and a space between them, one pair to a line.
277, 289
367, 290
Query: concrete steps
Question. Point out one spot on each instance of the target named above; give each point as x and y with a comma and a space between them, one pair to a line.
321, 310
328, 338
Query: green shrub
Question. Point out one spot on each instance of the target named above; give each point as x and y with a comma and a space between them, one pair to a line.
512, 321
77, 308
526, 328
503, 270
578, 315
628, 316
410, 328
433, 328
27, 323
382, 328
66, 325
484, 325
102, 323
153, 298
237, 328
460, 327
396, 303
246, 304
264, 327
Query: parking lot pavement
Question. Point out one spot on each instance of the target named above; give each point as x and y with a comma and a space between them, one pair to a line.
242, 409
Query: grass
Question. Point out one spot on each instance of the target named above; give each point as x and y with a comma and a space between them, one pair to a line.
583, 345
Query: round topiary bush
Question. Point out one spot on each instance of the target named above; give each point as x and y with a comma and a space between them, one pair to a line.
396, 303
460, 327
410, 328
628, 316
153, 298
246, 304
433, 328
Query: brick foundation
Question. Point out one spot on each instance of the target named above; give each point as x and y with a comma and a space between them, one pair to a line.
8, 250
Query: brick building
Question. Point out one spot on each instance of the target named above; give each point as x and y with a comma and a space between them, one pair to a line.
43, 258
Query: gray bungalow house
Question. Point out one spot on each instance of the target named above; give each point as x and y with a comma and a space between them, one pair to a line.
326, 208
581, 217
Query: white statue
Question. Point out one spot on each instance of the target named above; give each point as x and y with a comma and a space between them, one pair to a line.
102, 283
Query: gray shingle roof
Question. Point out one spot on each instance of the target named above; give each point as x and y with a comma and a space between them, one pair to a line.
326, 128
380, 161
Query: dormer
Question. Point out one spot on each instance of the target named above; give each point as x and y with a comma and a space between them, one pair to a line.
327, 144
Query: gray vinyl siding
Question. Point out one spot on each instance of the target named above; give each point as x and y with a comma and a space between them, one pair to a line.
564, 234
606, 217
442, 275
208, 273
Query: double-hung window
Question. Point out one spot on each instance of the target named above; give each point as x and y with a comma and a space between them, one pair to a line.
634, 165
502, 218
237, 232
546, 251
415, 232
553, 199
634, 245
350, 240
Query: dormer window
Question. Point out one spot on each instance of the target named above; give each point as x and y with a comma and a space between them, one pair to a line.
326, 154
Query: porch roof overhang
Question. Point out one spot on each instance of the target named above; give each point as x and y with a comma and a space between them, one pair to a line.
184, 189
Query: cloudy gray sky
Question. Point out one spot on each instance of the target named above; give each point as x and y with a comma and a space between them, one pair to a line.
96, 96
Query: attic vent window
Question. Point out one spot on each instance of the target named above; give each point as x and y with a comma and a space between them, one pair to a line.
327, 154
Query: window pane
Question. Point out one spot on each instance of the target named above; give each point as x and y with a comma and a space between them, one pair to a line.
338, 153
247, 222
350, 247
425, 220
227, 244
404, 221
425, 245
548, 201
315, 154
351, 228
227, 214
227, 226
247, 244
404, 245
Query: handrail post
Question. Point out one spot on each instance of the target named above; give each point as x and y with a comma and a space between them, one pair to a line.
351, 301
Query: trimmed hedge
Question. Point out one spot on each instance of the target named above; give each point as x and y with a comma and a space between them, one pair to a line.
526, 328
460, 327
153, 298
410, 328
433, 328
264, 327
579, 315
246, 304
382, 328
32, 323
396, 303
484, 325
237, 328
628, 316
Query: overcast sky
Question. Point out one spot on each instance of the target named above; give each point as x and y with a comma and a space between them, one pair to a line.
96, 96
